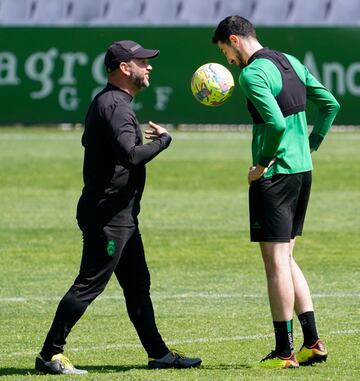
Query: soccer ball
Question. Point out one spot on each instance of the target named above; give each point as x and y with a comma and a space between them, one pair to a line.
212, 84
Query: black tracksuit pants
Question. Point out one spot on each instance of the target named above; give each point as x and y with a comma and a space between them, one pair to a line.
110, 250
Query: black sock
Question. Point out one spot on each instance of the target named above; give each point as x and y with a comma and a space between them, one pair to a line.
308, 326
284, 337
46, 356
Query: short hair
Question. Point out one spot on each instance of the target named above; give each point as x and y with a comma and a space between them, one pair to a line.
236, 25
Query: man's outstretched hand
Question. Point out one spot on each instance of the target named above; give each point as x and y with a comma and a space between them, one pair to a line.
154, 131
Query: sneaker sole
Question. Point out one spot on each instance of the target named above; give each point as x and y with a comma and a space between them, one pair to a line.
292, 367
314, 360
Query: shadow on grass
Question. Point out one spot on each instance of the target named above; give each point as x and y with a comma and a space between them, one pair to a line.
112, 368
227, 366
119, 368
16, 371
89, 368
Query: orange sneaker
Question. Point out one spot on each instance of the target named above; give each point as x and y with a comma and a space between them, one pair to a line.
310, 355
275, 361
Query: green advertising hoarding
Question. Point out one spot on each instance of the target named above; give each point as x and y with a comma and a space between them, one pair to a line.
49, 75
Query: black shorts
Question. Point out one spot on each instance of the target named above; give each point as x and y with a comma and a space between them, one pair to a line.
277, 207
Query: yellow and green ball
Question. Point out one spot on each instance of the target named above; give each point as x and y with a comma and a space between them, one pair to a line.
212, 84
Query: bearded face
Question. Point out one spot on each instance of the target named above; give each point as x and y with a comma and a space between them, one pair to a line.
139, 73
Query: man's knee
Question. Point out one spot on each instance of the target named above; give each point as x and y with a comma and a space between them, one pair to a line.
136, 286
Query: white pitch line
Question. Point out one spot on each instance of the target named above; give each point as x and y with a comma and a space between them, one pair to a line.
174, 342
159, 296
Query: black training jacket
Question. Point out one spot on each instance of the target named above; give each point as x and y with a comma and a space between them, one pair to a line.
114, 161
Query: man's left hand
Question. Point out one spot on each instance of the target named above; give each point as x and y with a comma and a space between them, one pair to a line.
155, 131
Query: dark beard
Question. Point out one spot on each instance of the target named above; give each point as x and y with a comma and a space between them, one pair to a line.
242, 63
138, 82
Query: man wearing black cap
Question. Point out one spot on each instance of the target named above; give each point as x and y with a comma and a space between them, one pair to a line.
114, 179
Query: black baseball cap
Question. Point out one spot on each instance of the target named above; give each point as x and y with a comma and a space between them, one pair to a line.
124, 51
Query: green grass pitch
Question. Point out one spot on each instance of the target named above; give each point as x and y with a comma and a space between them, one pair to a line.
208, 283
